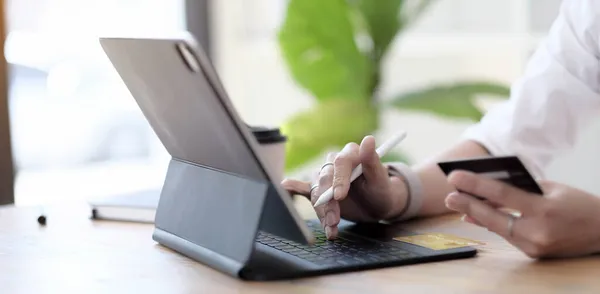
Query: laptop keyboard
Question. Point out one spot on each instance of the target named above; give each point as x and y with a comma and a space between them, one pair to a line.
343, 251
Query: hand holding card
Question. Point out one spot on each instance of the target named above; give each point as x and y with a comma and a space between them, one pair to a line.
563, 223
508, 169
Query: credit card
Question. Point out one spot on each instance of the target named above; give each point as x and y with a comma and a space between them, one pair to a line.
438, 241
508, 169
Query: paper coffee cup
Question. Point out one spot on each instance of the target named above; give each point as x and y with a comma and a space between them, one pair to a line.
272, 150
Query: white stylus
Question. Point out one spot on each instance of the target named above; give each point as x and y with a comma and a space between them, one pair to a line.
381, 151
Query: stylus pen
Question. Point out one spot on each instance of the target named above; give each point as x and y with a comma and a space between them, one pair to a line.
381, 151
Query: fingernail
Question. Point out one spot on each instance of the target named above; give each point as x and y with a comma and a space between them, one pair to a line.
330, 218
328, 232
455, 177
469, 219
465, 218
336, 193
454, 200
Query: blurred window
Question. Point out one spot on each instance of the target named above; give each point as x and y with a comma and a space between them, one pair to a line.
76, 130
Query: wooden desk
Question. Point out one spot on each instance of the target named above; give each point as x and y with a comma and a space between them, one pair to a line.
76, 254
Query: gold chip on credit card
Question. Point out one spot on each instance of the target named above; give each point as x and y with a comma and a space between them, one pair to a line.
438, 241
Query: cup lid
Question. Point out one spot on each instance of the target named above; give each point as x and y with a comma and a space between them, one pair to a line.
266, 135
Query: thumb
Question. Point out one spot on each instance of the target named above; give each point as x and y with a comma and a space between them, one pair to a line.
374, 172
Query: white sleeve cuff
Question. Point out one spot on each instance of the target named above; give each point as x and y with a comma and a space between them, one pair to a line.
494, 146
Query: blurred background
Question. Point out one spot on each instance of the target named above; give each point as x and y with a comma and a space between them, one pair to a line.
73, 122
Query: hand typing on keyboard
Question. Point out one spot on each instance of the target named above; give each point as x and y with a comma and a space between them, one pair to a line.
373, 196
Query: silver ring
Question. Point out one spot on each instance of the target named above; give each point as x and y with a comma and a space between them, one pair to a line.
314, 186
511, 224
326, 164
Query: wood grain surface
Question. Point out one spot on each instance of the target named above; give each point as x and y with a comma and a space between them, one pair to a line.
75, 254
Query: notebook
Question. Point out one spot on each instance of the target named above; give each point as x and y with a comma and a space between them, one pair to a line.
133, 207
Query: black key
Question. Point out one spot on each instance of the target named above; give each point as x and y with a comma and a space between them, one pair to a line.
369, 246
350, 239
277, 243
378, 250
328, 245
294, 250
315, 258
328, 254
317, 249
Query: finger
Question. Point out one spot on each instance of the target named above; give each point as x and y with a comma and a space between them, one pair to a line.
331, 208
324, 182
547, 185
331, 232
326, 174
494, 191
481, 214
344, 163
374, 172
296, 187
485, 215
468, 219
331, 219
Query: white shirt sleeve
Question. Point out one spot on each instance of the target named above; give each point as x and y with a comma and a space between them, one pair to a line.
555, 98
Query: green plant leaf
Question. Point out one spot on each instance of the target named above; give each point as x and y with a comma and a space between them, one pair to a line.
317, 43
330, 124
451, 101
382, 23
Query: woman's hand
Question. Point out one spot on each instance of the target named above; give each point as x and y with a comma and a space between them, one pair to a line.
565, 222
371, 197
